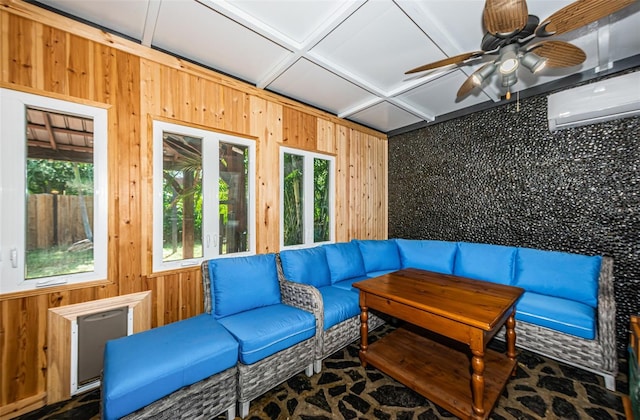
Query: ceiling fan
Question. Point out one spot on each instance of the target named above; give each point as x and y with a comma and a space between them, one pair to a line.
510, 30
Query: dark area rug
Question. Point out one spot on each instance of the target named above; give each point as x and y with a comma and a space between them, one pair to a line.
541, 389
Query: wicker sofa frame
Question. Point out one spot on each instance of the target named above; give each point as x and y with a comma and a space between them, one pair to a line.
202, 400
256, 379
598, 355
308, 297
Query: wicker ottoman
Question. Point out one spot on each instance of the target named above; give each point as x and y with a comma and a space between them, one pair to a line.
184, 370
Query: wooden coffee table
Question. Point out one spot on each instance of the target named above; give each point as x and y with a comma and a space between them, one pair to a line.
443, 355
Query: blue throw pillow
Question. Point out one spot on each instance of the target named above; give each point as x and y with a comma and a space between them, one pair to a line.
560, 274
494, 263
379, 255
428, 255
345, 261
239, 284
308, 266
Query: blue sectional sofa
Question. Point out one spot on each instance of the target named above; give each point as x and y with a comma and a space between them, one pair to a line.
567, 311
270, 316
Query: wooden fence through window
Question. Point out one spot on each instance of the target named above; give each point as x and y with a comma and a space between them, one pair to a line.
56, 220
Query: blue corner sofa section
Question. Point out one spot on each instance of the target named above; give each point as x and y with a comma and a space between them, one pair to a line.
270, 316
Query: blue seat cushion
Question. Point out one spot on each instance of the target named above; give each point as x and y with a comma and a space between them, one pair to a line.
345, 261
308, 266
373, 274
348, 283
564, 315
494, 263
144, 367
339, 305
264, 331
379, 255
239, 284
437, 256
570, 276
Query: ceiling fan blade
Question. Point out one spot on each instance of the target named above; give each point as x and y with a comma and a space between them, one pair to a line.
578, 14
559, 53
457, 59
505, 17
470, 83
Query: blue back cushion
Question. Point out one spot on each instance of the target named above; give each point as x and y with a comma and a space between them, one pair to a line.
494, 263
379, 255
239, 284
345, 261
561, 274
308, 266
429, 255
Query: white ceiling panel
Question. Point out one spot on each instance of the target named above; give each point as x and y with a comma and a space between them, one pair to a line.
365, 47
319, 87
349, 57
384, 117
127, 18
296, 20
194, 31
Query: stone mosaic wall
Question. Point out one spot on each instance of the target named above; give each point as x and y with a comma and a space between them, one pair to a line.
499, 176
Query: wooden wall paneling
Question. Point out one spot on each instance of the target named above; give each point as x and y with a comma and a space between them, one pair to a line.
326, 136
80, 67
104, 73
24, 358
150, 93
128, 176
22, 51
191, 301
384, 171
299, 129
172, 297
54, 60
342, 190
235, 110
4, 352
266, 125
4, 51
165, 104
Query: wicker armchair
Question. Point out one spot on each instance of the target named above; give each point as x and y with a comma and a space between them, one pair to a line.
599, 355
309, 298
255, 378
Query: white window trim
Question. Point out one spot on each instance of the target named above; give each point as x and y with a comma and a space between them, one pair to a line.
308, 203
210, 220
12, 187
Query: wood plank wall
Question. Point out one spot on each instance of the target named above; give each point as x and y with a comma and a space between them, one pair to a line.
47, 54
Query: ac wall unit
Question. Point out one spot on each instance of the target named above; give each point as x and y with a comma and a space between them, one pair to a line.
609, 99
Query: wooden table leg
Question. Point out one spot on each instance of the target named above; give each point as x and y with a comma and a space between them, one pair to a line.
477, 383
511, 338
364, 334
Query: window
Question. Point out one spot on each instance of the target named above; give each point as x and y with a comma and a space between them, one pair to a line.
307, 198
53, 189
203, 185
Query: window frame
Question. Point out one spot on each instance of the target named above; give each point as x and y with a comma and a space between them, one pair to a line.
13, 104
308, 196
211, 140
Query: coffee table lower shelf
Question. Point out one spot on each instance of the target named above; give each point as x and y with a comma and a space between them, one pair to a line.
440, 373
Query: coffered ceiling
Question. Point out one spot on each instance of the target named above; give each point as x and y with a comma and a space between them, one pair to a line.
349, 57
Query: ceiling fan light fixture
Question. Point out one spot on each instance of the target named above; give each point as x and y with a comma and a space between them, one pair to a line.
509, 63
509, 80
533, 62
483, 74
